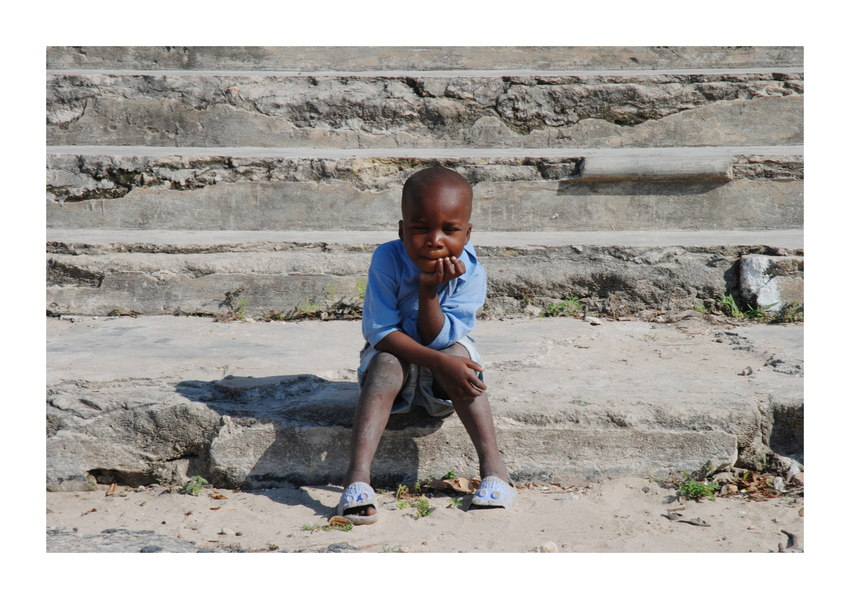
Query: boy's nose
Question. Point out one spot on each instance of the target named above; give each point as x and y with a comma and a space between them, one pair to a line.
435, 239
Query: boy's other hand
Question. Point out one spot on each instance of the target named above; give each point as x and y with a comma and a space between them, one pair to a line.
447, 269
456, 376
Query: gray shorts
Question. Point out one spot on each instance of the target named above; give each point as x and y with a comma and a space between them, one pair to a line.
418, 387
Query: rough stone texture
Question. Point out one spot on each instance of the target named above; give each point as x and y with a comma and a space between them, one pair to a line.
772, 280
96, 279
74, 178
360, 58
511, 194
636, 110
157, 399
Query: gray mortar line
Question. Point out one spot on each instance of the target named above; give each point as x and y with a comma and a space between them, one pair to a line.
789, 238
335, 153
435, 73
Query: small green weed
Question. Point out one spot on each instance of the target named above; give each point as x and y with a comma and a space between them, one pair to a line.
569, 306
194, 486
450, 475
790, 312
308, 307
692, 489
728, 305
402, 490
423, 508
274, 315
391, 550
759, 313
235, 308
361, 289
455, 502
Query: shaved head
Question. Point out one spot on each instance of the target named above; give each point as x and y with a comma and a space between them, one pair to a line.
430, 178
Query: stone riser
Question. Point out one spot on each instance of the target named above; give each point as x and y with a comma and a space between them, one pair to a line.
636, 110
363, 58
619, 280
249, 432
215, 431
511, 193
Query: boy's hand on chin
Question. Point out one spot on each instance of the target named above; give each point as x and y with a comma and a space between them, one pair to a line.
447, 269
457, 377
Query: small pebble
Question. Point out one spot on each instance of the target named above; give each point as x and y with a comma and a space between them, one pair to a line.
226, 532
548, 547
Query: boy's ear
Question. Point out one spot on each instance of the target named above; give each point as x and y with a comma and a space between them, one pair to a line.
468, 233
401, 230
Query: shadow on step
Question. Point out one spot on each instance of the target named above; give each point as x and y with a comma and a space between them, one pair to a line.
287, 430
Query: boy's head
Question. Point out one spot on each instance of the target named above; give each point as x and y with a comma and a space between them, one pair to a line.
436, 204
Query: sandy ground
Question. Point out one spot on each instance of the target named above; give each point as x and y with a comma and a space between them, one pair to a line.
619, 515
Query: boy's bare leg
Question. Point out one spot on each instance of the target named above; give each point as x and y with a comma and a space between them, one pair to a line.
383, 382
477, 418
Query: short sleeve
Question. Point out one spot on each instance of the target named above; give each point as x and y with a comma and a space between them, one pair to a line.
381, 314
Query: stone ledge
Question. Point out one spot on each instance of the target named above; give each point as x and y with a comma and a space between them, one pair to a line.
359, 58
158, 399
100, 241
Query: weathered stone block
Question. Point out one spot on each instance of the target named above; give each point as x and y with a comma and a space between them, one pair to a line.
603, 110
772, 280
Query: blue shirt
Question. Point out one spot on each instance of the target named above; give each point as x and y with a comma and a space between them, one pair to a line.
392, 297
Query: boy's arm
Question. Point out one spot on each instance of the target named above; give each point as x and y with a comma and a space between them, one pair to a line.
458, 375
431, 317
461, 382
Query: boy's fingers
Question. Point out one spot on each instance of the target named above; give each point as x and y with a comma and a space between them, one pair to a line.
475, 365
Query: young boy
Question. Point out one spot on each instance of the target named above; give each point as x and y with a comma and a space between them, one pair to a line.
420, 304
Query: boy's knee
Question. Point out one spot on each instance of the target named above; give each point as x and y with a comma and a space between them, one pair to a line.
456, 350
386, 365
386, 360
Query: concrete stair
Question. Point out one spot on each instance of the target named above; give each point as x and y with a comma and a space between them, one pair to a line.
182, 180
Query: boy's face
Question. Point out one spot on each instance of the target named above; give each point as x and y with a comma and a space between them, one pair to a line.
435, 225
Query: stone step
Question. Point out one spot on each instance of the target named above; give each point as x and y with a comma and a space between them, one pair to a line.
723, 188
428, 110
419, 58
157, 399
616, 272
